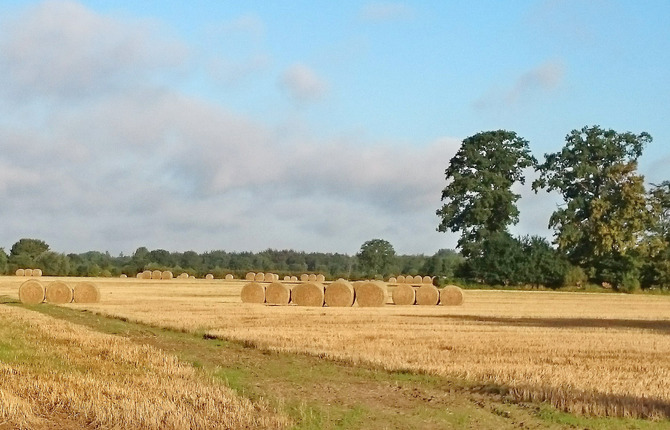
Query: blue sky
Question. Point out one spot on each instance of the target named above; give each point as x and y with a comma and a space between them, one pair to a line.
307, 125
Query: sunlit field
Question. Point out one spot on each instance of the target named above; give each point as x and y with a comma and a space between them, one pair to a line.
594, 354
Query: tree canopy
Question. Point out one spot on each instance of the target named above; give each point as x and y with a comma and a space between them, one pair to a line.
377, 257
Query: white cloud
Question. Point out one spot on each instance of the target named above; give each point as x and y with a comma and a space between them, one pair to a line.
303, 84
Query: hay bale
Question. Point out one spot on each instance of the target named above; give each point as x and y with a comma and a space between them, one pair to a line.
418, 280
209, 276
287, 278
31, 292
451, 295
260, 277
166, 275
393, 280
123, 275
20, 272
184, 275
229, 277
428, 280
294, 279
320, 278
277, 294
58, 292
269, 277
427, 295
304, 277
253, 292
86, 292
37, 272
404, 295
339, 294
311, 277
308, 294
139, 275
156, 274
146, 274
401, 279
28, 272
191, 277
371, 294
250, 276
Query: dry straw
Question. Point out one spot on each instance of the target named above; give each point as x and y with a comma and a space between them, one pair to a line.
451, 295
320, 278
253, 292
269, 277
339, 294
287, 278
401, 279
304, 277
427, 295
229, 277
308, 294
277, 294
393, 280
209, 276
20, 272
123, 275
294, 279
86, 292
404, 295
260, 277
427, 280
418, 279
146, 274
250, 276
371, 294
37, 272
31, 292
311, 277
28, 272
156, 274
166, 275
58, 292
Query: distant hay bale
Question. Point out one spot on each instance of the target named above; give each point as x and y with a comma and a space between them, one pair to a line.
427, 280
393, 280
418, 279
269, 277
308, 294
311, 277
253, 292
139, 275
427, 295
166, 275
191, 277
184, 275
339, 294
229, 277
209, 276
31, 292
260, 277
304, 277
58, 292
287, 278
371, 294
37, 272
28, 272
123, 275
400, 279
146, 274
156, 274
20, 272
250, 276
86, 292
294, 279
404, 295
451, 295
277, 294
320, 278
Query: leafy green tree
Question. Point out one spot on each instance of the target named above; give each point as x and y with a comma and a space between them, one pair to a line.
542, 264
605, 212
497, 259
376, 257
443, 264
3, 262
30, 247
479, 197
656, 247
53, 263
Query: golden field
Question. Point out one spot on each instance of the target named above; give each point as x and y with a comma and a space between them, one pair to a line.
600, 354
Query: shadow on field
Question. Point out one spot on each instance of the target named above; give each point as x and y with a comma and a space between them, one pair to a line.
662, 326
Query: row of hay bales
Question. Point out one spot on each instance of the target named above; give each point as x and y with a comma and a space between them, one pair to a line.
28, 272
272, 277
343, 293
409, 279
33, 292
166, 274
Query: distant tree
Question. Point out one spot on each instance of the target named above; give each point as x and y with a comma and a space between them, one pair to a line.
376, 257
53, 263
3, 261
30, 247
443, 264
542, 264
497, 259
479, 197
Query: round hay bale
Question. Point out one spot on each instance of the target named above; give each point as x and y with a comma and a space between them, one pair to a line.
287, 278
139, 275
304, 277
428, 280
404, 295
28, 272
294, 279
229, 277
451, 295
260, 277
393, 280
269, 277
371, 294
401, 279
20, 272
31, 292
253, 292
209, 276
123, 275
86, 292
277, 294
311, 277
184, 275
191, 277
339, 294
37, 272
59, 292
418, 280
320, 278
156, 274
427, 295
250, 276
308, 294
166, 275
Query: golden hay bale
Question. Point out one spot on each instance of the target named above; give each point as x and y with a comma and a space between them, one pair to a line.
308, 294
320, 278
37, 272
59, 292
403, 295
184, 275
123, 275
86, 292
427, 295
287, 278
250, 276
260, 277
371, 294
427, 280
393, 280
191, 277
229, 277
311, 277
156, 274
20, 272
277, 294
146, 274
28, 272
451, 295
166, 275
294, 279
269, 277
139, 275
339, 294
304, 277
31, 292
401, 279
253, 292
209, 276
418, 279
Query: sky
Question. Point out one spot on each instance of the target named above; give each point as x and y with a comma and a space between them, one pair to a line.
306, 125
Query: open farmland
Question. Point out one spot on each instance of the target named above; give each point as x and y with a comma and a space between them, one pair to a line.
592, 354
